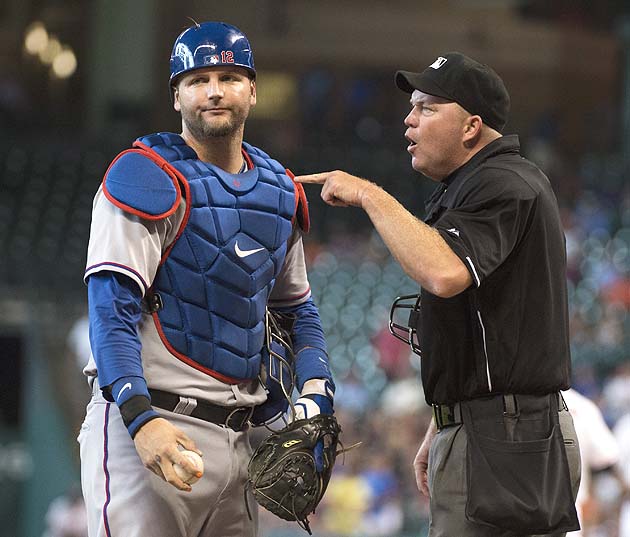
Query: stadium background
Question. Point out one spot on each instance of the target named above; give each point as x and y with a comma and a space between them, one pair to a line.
326, 100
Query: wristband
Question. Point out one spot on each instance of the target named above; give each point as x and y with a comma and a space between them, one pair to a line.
135, 412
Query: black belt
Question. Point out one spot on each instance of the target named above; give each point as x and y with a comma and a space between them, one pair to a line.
448, 415
235, 418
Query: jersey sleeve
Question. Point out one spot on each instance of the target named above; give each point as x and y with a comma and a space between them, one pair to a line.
126, 243
292, 287
486, 227
114, 311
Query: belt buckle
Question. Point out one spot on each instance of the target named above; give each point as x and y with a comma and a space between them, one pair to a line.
444, 415
437, 416
232, 421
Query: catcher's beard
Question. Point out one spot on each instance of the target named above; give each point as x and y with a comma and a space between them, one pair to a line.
202, 129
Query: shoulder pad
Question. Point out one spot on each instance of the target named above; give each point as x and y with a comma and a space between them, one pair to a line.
140, 184
167, 145
301, 204
256, 151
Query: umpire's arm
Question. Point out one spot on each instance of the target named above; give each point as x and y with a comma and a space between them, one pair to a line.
419, 249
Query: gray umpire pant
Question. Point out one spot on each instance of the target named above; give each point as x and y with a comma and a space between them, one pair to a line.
447, 482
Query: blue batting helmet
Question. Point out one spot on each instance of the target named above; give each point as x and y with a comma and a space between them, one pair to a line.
209, 44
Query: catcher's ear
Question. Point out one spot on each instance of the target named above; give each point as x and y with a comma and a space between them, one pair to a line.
176, 104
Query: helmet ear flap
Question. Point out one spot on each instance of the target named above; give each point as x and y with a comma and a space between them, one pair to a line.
209, 44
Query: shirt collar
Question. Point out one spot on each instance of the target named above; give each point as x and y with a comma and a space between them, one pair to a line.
504, 144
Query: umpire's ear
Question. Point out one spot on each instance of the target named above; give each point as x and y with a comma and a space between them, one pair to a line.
472, 128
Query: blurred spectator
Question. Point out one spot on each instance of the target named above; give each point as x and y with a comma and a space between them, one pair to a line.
616, 393
78, 341
598, 450
393, 355
66, 516
351, 392
403, 397
622, 434
79, 352
384, 514
345, 502
585, 380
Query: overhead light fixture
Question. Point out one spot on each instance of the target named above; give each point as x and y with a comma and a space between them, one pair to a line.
35, 38
65, 63
50, 51
53, 48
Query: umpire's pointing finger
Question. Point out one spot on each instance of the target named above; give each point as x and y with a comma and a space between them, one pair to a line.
313, 178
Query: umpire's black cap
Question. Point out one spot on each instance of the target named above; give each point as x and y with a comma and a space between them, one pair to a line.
472, 85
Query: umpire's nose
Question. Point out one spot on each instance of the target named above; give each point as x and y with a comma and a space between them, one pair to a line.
410, 120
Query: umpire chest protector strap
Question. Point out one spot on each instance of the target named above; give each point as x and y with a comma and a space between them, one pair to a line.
209, 294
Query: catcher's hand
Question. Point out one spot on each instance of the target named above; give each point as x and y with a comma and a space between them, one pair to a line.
308, 406
283, 473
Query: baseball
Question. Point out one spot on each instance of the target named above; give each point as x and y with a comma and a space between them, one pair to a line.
183, 474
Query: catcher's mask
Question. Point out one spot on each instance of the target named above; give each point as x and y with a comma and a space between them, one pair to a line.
406, 332
278, 369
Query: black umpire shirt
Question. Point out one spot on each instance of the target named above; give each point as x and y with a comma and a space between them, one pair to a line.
508, 332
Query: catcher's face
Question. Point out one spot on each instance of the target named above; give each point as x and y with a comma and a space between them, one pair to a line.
214, 101
435, 131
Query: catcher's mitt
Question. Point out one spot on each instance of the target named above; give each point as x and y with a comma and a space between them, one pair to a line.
283, 472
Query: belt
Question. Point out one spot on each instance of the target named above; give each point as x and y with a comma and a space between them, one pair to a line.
448, 415
235, 418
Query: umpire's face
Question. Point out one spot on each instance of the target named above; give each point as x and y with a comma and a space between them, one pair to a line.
214, 101
437, 133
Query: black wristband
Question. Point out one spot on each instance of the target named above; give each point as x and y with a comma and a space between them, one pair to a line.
133, 407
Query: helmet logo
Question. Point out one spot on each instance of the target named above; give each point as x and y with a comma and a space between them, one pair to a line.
227, 56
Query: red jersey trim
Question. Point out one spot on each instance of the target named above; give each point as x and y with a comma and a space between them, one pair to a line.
189, 361
301, 204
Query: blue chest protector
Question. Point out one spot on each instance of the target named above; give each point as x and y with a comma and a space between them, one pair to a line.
209, 295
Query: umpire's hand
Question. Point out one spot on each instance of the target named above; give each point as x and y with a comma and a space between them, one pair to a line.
340, 189
157, 444
421, 462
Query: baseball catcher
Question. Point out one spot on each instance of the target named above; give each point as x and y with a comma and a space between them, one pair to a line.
193, 235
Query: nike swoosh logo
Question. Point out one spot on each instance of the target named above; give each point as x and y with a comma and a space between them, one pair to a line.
125, 387
245, 253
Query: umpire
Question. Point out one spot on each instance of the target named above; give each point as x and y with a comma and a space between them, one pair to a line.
500, 457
